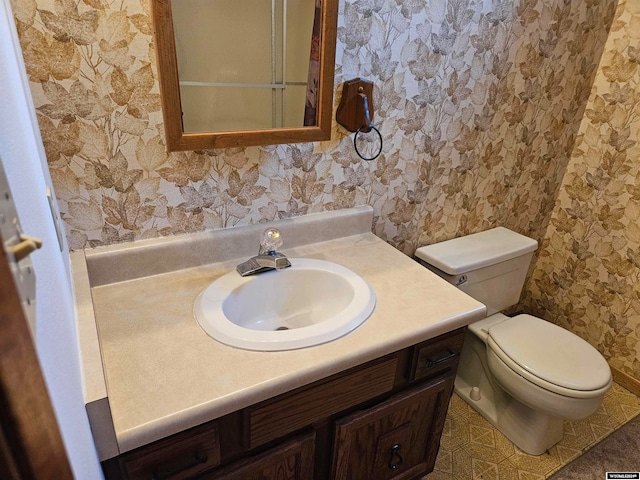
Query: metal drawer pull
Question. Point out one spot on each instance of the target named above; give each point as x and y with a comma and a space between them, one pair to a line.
452, 355
197, 459
395, 459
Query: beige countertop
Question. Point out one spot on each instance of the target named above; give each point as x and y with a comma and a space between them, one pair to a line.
161, 373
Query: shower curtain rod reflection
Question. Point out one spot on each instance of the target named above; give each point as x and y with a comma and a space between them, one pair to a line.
187, 83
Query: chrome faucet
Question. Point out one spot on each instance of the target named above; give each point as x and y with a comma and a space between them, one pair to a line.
268, 257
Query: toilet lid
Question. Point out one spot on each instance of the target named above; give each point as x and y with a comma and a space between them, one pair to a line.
551, 353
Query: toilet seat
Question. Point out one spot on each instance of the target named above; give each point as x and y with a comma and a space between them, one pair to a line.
547, 355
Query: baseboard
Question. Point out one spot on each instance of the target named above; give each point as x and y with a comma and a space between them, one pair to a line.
625, 380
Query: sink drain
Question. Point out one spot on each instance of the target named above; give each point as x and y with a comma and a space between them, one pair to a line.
282, 328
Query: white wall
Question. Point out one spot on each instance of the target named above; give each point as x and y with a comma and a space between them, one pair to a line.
26, 168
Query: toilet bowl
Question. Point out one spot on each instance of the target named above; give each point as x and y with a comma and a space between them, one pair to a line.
523, 374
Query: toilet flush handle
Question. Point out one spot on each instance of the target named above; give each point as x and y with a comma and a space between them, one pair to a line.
461, 280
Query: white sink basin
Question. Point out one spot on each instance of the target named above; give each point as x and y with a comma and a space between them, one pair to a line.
309, 303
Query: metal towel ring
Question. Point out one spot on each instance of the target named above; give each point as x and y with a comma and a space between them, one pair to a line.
367, 128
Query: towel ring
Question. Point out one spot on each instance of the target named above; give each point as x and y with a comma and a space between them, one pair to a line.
355, 112
367, 128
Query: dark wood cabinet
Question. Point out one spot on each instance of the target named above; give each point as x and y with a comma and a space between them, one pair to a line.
292, 411
292, 460
378, 421
391, 440
179, 457
436, 356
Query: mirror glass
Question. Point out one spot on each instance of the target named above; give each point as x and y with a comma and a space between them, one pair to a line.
258, 76
245, 72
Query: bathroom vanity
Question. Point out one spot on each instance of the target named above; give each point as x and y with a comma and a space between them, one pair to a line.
167, 401
382, 419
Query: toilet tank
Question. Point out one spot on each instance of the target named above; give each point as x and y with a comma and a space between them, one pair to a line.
490, 266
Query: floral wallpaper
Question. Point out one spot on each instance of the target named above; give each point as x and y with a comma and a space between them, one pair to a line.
478, 101
587, 278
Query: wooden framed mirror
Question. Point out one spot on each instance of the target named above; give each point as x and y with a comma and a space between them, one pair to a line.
209, 89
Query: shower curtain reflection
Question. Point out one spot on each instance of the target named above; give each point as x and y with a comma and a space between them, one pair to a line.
245, 64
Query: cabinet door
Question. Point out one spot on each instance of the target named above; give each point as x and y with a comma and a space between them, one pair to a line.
178, 457
293, 460
397, 439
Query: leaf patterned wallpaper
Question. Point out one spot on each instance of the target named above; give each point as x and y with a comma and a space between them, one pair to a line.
587, 278
479, 102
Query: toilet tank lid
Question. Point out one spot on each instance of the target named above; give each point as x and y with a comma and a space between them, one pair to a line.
478, 250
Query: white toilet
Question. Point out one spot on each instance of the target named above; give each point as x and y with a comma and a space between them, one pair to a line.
523, 374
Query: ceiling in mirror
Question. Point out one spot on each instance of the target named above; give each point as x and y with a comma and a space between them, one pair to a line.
245, 72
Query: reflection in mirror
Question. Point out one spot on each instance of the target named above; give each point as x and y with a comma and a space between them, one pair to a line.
245, 72
259, 77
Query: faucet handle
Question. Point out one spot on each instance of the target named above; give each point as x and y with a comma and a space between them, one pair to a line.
270, 241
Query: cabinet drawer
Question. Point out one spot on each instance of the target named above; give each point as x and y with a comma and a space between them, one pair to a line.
290, 412
180, 456
397, 439
437, 355
292, 460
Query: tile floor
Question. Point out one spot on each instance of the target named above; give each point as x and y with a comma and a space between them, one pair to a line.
471, 448
619, 452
